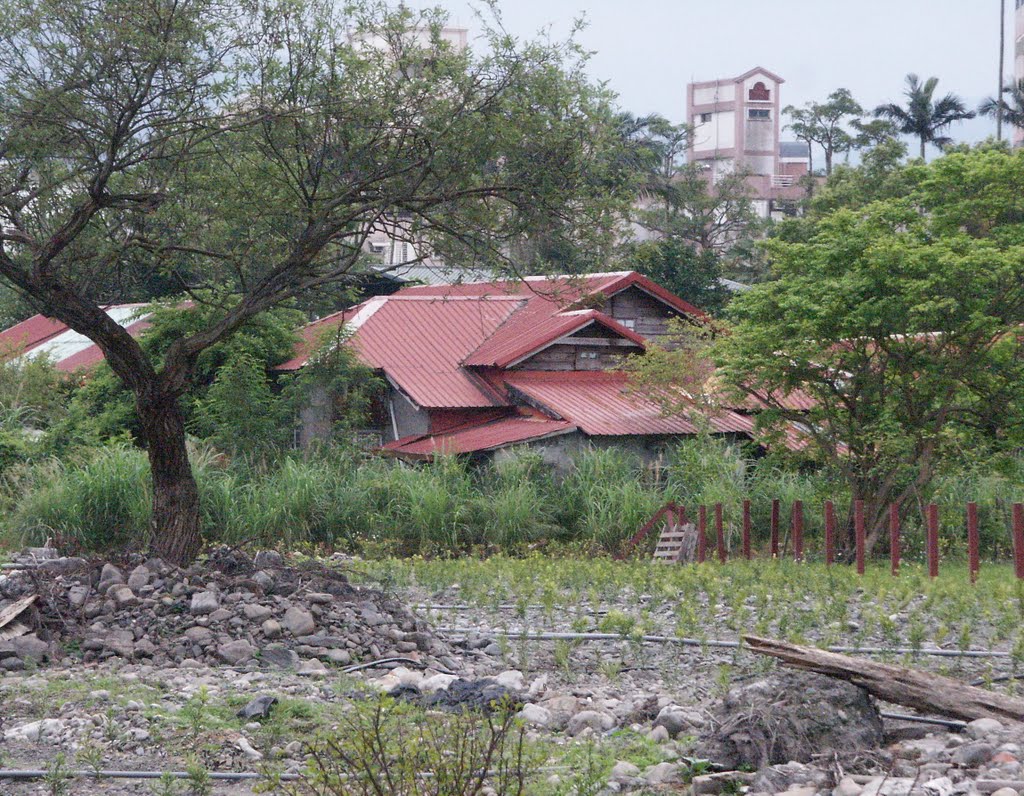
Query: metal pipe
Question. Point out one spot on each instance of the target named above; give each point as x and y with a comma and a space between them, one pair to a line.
724, 643
951, 723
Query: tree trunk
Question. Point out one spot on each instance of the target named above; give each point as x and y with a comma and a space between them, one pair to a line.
174, 526
925, 691
922, 148
828, 162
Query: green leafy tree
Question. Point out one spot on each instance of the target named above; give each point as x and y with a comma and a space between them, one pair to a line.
899, 319
250, 150
824, 124
680, 267
925, 116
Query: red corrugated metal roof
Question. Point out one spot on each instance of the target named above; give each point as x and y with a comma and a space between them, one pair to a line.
93, 355
533, 328
419, 343
602, 404
479, 437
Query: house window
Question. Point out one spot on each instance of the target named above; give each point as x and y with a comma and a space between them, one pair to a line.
705, 118
629, 323
758, 113
759, 93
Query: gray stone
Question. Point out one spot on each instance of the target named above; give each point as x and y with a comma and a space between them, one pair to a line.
258, 708
235, 652
139, 577
312, 668
271, 628
624, 770
972, 755
123, 596
983, 728
204, 602
299, 622
319, 598
663, 774
255, 612
339, 657
594, 719
1005, 792
30, 648
674, 719
199, 635
279, 656
77, 595
267, 558
109, 575
120, 642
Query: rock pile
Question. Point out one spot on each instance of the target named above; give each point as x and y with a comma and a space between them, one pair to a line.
227, 609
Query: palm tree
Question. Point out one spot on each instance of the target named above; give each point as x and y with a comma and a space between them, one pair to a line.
1011, 103
924, 117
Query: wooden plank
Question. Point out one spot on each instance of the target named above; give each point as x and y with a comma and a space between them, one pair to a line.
8, 627
925, 691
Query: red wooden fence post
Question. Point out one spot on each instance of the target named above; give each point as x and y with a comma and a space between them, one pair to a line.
894, 538
775, 528
719, 533
702, 527
973, 564
858, 530
798, 530
830, 533
933, 540
746, 529
1018, 540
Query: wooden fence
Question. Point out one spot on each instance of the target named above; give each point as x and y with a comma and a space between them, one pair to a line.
674, 516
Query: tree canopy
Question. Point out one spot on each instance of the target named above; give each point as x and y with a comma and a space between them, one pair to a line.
244, 153
925, 116
900, 319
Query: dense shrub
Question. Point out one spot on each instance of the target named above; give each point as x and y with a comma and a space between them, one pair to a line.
344, 498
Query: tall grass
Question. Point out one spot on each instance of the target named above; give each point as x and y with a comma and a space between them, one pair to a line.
344, 499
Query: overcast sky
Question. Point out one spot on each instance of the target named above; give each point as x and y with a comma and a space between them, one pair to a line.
648, 50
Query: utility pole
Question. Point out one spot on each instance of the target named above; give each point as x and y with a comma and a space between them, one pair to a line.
1002, 48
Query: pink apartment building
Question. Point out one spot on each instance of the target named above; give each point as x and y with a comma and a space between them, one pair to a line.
736, 123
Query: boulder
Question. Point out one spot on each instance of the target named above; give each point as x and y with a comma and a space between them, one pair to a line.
235, 652
299, 622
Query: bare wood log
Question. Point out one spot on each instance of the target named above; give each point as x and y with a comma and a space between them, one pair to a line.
920, 690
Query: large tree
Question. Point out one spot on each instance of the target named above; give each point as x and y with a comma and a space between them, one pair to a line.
900, 319
925, 116
250, 149
824, 124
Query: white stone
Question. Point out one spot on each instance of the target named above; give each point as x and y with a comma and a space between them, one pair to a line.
437, 682
204, 602
535, 715
242, 743
940, 786
511, 679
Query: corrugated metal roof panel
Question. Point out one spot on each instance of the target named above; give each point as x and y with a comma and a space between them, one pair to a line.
480, 437
599, 402
67, 349
532, 328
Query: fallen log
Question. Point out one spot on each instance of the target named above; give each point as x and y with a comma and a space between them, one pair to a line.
923, 691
